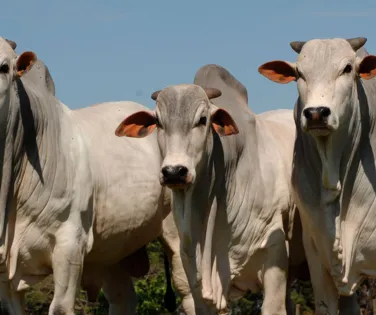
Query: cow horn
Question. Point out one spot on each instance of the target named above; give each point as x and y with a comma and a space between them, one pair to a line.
11, 43
212, 93
155, 95
297, 46
356, 42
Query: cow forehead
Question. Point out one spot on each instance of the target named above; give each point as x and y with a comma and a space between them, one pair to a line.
181, 101
320, 52
6, 49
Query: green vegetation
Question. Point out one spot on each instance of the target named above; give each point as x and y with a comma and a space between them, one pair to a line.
150, 291
151, 288
302, 294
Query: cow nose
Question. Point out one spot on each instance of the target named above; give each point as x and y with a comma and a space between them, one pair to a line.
323, 111
316, 113
177, 172
308, 113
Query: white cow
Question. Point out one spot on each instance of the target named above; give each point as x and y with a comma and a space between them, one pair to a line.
334, 177
71, 191
229, 171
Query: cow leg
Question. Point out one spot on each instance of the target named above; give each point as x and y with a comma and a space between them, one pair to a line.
67, 262
348, 305
275, 280
12, 302
325, 292
119, 291
91, 281
192, 304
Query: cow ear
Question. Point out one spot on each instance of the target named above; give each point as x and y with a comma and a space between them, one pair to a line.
367, 67
223, 123
278, 71
25, 62
137, 125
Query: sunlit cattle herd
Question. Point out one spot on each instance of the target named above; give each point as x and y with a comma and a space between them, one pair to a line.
241, 201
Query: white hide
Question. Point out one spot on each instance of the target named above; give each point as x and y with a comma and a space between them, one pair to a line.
231, 215
333, 173
71, 190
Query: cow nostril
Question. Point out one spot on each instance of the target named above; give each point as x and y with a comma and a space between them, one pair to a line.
307, 113
324, 112
182, 171
166, 171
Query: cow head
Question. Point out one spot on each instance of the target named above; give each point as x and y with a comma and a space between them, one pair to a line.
326, 72
12, 67
184, 117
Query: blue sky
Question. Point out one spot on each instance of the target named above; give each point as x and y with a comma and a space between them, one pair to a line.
109, 50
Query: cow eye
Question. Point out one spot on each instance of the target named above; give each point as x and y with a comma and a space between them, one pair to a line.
4, 68
202, 121
347, 69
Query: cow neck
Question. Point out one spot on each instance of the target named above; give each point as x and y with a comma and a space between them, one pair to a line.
9, 142
201, 207
338, 155
24, 143
247, 199
30, 135
358, 131
359, 151
235, 181
338, 150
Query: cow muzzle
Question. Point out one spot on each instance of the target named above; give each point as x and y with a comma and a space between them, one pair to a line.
316, 120
175, 176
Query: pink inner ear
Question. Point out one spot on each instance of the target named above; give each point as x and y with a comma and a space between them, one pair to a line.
25, 61
223, 123
278, 71
226, 130
367, 68
137, 125
138, 131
